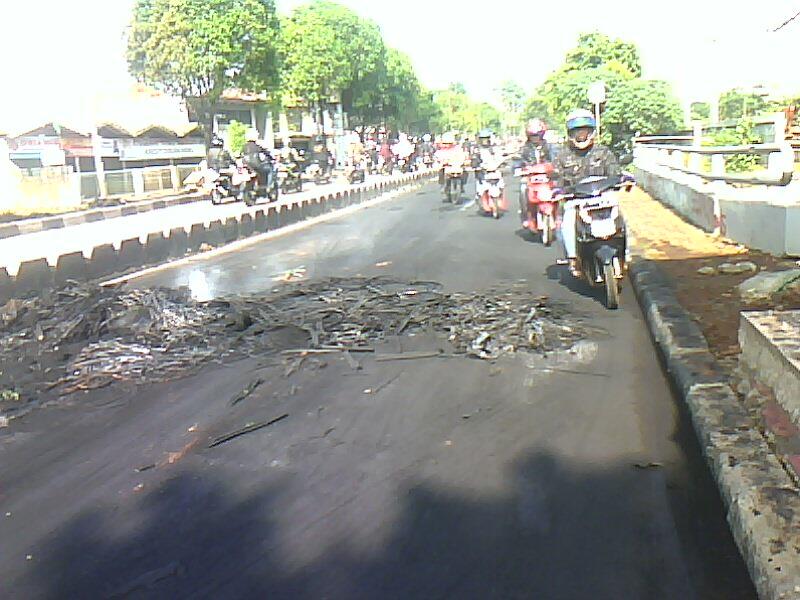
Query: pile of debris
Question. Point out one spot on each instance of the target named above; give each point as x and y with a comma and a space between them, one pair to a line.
83, 338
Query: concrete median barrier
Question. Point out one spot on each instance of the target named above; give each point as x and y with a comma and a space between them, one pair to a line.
131, 254
259, 221
178, 242
156, 248
197, 236
71, 267
103, 262
273, 218
32, 277
215, 233
6, 286
246, 226
230, 230
153, 247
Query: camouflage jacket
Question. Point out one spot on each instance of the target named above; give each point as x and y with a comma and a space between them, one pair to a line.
571, 165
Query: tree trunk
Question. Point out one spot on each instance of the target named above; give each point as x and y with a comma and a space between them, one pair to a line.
201, 111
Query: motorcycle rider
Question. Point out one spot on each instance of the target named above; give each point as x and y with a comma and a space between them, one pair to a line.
218, 157
403, 150
581, 158
486, 154
258, 159
450, 154
535, 150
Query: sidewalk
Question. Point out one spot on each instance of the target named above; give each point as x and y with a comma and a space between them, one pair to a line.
681, 250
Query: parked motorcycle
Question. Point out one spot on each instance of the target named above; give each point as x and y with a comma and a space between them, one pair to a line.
601, 240
541, 217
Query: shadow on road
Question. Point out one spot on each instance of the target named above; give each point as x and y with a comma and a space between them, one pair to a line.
561, 274
564, 531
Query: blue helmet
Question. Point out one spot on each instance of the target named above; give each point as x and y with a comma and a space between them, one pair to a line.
579, 119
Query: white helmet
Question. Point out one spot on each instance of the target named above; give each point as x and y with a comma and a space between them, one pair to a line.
449, 138
426, 138
251, 135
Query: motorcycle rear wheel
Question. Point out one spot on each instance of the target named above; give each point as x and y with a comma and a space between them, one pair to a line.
216, 197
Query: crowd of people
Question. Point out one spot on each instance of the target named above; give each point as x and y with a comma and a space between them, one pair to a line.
580, 156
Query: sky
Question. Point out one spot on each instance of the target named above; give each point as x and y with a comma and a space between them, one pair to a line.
57, 56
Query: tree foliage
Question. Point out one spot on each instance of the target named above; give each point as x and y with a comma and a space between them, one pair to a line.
597, 49
456, 111
198, 48
735, 104
236, 138
329, 50
700, 111
640, 107
632, 104
743, 135
391, 95
321, 51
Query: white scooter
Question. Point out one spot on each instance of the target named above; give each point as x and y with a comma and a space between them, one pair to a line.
600, 235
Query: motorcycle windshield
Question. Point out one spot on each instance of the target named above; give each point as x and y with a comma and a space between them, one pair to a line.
594, 186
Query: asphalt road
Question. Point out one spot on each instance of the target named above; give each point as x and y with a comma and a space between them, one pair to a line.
577, 476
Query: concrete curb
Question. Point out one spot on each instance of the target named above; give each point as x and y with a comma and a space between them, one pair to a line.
139, 251
762, 501
23, 226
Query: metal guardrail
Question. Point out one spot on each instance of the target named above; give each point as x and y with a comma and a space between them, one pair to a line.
672, 151
780, 159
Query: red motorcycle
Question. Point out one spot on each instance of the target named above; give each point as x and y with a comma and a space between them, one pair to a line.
541, 217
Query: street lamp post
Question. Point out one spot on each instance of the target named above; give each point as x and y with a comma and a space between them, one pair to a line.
597, 95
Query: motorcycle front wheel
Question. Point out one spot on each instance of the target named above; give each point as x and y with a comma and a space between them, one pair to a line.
547, 231
612, 287
216, 197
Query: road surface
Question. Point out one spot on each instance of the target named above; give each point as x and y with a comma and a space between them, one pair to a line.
577, 476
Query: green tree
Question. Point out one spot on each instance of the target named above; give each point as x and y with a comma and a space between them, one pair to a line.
735, 104
389, 96
537, 107
566, 90
428, 113
597, 49
457, 88
743, 135
642, 107
198, 48
512, 97
701, 111
453, 106
632, 105
236, 138
329, 50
